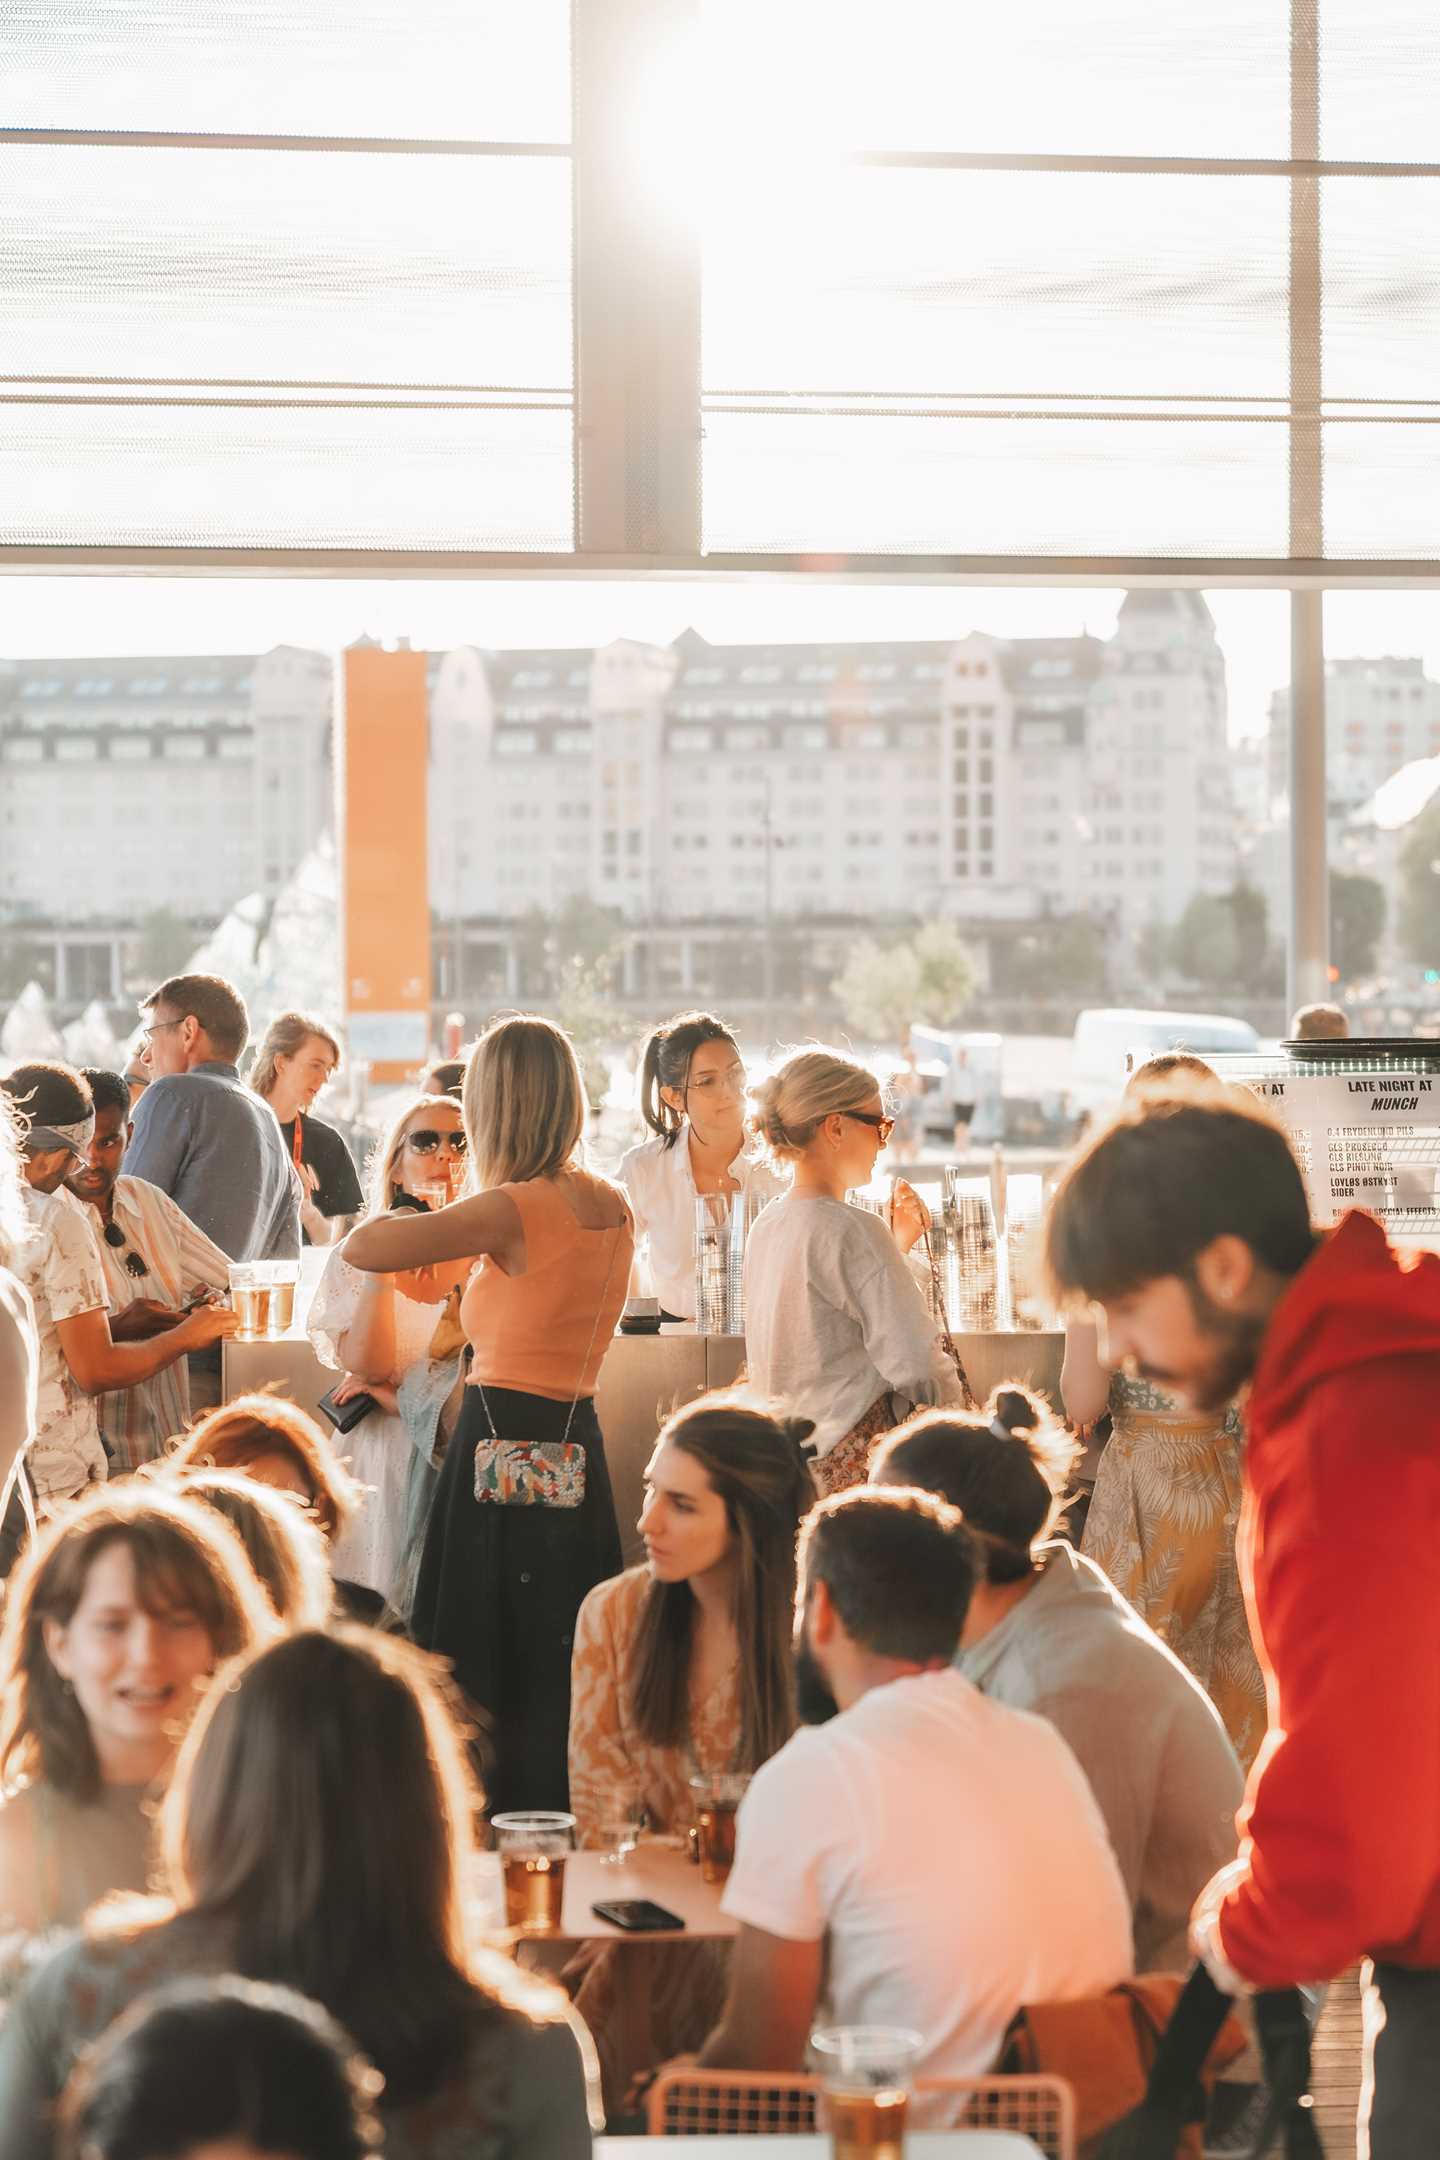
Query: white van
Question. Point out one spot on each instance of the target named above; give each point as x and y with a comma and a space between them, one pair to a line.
1106, 1036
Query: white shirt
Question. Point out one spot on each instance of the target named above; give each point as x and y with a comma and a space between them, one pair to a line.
60, 1267
661, 1183
179, 1260
19, 1373
833, 1317
950, 1852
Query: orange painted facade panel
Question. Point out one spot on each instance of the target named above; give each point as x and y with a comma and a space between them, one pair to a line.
381, 782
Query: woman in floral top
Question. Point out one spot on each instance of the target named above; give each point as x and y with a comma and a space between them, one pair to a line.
661, 1693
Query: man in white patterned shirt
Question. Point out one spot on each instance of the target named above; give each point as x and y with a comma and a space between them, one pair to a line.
157, 1262
60, 1266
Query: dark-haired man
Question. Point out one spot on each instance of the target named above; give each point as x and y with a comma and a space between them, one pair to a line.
1186, 1224
157, 1264
61, 1268
203, 1137
942, 1854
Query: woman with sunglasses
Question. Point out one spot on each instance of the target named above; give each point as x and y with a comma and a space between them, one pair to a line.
836, 1325
692, 1097
375, 1328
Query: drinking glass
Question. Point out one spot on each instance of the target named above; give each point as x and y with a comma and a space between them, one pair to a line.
283, 1275
250, 1296
865, 2076
533, 1849
621, 1824
716, 1801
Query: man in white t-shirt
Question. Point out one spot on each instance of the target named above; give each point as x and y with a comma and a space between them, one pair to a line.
943, 1852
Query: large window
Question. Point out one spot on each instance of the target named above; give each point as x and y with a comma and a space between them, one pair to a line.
722, 282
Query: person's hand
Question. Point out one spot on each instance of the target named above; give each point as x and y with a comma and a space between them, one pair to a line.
142, 1318
909, 1216
380, 1391
208, 1324
309, 1178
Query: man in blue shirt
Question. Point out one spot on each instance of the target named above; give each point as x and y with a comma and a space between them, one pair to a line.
203, 1137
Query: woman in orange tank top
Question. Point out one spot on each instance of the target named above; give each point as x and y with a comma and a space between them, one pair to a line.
518, 1538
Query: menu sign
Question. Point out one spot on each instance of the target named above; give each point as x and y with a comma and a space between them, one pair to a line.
1368, 1139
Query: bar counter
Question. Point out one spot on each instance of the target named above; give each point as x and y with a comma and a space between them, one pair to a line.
644, 1378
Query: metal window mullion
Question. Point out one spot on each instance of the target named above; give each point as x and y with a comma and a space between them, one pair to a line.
637, 287
1308, 970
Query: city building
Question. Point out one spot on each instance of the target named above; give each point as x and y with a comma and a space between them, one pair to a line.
1379, 715
718, 800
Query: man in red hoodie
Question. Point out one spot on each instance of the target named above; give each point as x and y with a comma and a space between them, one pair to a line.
1186, 1223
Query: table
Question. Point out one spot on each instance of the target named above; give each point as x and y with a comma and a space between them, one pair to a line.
921, 2144
661, 1872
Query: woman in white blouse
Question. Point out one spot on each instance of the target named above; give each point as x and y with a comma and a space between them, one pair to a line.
692, 1097
836, 1326
376, 1327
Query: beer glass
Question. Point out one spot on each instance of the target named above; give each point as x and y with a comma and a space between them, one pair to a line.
622, 1820
865, 2076
715, 1801
283, 1276
533, 1849
250, 1296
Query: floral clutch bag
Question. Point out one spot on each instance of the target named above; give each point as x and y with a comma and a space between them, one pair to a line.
530, 1473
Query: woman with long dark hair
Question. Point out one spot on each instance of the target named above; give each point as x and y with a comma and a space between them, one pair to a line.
316, 1834
683, 1668
692, 1097
523, 1522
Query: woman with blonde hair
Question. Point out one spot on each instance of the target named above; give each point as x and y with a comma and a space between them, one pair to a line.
835, 1323
297, 1059
523, 1524
317, 1834
115, 1621
377, 1328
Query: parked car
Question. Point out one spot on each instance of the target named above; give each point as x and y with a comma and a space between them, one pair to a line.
1110, 1040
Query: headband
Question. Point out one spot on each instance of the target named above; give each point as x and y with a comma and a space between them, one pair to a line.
77, 1137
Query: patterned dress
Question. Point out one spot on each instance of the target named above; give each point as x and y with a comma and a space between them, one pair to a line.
683, 1983
1162, 1526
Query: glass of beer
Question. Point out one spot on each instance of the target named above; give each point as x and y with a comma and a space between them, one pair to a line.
715, 1801
865, 2076
284, 1275
250, 1296
533, 1851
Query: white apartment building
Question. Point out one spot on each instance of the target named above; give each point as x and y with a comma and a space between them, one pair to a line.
1379, 715
128, 786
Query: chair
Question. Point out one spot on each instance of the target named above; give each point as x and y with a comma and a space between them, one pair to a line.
687, 2102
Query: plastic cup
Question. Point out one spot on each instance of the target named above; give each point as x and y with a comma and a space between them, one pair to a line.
865, 2074
716, 1801
533, 1850
250, 1296
283, 1275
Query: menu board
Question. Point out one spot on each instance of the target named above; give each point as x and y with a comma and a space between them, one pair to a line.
1365, 1137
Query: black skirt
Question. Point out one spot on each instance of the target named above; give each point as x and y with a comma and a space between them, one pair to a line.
499, 1589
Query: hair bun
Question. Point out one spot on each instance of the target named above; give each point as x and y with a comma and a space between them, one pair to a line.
797, 1429
1015, 1410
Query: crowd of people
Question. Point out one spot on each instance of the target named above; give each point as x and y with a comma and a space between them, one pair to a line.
262, 1686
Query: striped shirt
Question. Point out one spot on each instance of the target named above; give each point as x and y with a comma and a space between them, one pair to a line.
179, 1260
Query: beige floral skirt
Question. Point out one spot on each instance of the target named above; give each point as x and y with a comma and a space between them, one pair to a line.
848, 1462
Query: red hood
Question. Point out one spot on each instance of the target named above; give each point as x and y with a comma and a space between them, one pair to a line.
1358, 1302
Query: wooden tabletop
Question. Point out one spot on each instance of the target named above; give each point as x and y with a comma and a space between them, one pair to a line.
659, 1872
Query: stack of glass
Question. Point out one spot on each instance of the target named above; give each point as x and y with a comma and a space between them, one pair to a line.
968, 1255
722, 1224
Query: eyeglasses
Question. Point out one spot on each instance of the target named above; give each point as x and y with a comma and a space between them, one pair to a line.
158, 1027
732, 1082
115, 1239
883, 1125
427, 1141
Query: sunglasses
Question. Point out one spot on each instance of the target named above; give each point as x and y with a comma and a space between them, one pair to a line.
883, 1125
427, 1141
115, 1239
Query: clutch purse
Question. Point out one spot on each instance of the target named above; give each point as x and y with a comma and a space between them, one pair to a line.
530, 1473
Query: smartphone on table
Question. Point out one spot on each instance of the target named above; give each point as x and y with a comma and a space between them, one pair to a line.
639, 1916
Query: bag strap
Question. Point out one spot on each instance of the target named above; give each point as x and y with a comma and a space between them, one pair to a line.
971, 1401
479, 1385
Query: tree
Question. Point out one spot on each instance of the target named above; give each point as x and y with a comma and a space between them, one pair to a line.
1418, 921
1207, 940
1357, 917
1250, 913
927, 976
583, 1009
1067, 954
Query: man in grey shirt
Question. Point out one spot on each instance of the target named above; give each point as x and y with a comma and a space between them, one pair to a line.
202, 1136
1047, 1632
